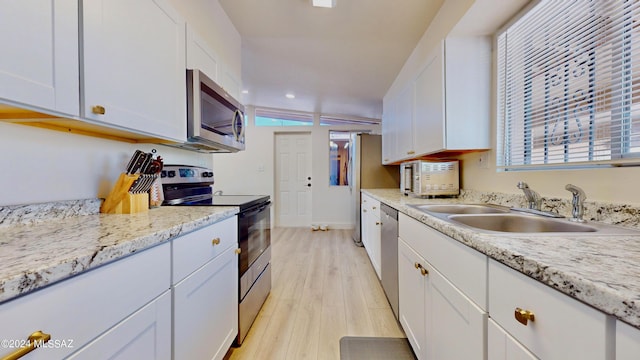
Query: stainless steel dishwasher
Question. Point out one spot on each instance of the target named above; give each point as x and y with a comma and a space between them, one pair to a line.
389, 260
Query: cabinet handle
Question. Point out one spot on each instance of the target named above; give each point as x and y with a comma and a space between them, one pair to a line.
411, 152
378, 223
34, 341
385, 160
364, 210
523, 316
98, 109
423, 271
238, 251
215, 241
374, 208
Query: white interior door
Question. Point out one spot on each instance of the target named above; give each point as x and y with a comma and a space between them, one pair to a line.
293, 179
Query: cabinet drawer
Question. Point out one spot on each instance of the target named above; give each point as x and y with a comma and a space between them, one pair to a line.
79, 309
371, 205
193, 250
465, 267
563, 328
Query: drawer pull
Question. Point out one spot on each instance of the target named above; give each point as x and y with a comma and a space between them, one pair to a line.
524, 316
411, 152
378, 223
423, 271
238, 251
374, 208
215, 241
98, 110
35, 340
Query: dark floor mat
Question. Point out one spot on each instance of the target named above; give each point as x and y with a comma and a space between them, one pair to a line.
375, 348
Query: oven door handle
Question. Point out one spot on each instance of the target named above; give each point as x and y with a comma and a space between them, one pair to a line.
254, 212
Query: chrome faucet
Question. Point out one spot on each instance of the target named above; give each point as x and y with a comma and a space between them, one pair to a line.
533, 198
577, 203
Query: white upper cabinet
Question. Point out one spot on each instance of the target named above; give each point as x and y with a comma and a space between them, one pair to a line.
201, 56
134, 66
388, 128
446, 105
39, 66
429, 127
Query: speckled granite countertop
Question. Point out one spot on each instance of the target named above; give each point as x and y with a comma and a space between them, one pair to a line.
35, 253
602, 271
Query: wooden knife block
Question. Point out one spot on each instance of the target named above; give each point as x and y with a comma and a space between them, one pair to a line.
120, 201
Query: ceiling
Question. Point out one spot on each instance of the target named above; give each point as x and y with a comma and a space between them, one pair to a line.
338, 61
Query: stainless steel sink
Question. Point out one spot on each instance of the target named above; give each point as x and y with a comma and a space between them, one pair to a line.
498, 219
514, 223
462, 209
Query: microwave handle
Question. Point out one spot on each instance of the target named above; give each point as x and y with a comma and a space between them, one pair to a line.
237, 116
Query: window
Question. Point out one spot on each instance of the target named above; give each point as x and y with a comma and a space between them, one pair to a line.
265, 117
326, 120
339, 157
569, 85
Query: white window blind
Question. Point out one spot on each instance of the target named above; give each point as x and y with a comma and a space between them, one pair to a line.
569, 85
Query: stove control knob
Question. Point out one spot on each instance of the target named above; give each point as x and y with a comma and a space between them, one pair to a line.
171, 173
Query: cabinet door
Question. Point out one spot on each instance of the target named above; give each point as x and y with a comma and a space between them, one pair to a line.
201, 56
205, 314
40, 43
389, 131
134, 66
144, 335
404, 122
373, 241
453, 319
627, 341
412, 288
429, 120
502, 346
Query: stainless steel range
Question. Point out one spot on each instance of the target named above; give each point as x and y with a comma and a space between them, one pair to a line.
192, 186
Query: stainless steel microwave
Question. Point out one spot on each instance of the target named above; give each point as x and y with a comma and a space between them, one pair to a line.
215, 120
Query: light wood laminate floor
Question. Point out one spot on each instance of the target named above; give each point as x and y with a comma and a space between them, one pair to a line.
324, 288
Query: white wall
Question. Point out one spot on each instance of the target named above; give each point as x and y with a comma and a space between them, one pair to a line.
42, 165
252, 171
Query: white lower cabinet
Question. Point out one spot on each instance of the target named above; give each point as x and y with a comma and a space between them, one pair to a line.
436, 315
205, 291
206, 309
627, 341
371, 231
412, 289
95, 309
502, 346
558, 327
454, 320
144, 335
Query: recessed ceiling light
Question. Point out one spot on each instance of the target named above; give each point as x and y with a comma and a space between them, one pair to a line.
324, 3
290, 96
245, 91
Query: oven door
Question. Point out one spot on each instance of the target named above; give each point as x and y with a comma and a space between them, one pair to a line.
254, 234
